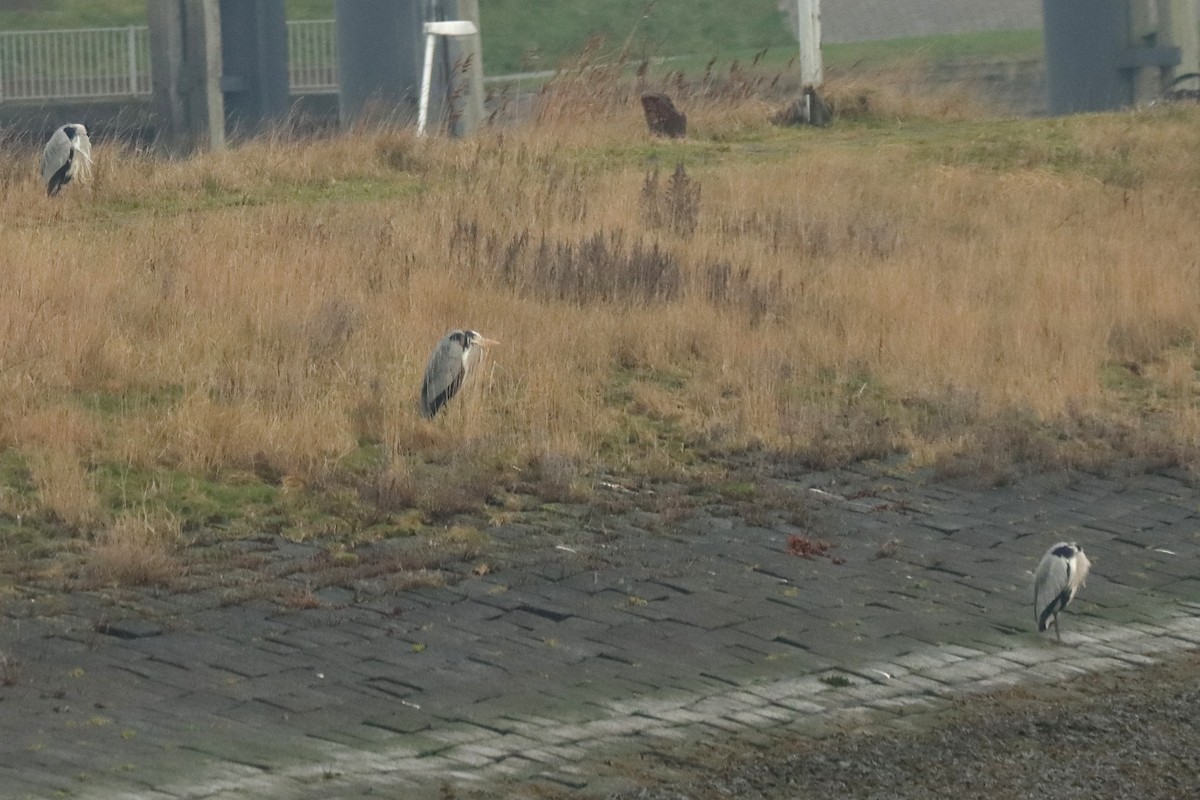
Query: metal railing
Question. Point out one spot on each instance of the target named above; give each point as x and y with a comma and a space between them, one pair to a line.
312, 56
95, 62
91, 63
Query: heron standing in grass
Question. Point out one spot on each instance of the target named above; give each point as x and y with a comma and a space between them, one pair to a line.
448, 367
68, 152
1059, 576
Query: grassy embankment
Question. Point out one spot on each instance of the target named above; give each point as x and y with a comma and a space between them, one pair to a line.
233, 344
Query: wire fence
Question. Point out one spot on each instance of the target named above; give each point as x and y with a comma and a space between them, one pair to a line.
95, 63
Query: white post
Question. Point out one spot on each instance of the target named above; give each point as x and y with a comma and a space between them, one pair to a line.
457, 27
808, 31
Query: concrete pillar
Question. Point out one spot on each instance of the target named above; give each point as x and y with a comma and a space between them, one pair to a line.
381, 45
1145, 30
254, 60
1179, 24
379, 59
185, 56
1086, 41
466, 84
1166, 42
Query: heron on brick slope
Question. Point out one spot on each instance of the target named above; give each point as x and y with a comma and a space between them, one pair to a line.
1060, 574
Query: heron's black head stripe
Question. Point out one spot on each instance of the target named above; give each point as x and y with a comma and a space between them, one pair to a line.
460, 337
1066, 551
69, 130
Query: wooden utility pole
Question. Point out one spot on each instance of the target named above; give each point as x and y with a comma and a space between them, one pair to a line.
185, 58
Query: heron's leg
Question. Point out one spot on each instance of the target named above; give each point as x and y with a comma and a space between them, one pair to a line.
1057, 635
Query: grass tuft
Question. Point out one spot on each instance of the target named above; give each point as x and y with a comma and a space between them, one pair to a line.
137, 550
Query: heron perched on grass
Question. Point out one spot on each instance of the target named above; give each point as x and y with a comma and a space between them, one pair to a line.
448, 367
1059, 576
68, 152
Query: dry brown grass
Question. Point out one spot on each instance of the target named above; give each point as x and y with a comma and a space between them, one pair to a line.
941, 286
136, 550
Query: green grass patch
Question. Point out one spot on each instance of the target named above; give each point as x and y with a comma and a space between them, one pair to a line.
929, 50
131, 400
227, 501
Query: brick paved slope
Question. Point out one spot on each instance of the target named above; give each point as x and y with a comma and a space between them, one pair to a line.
640, 628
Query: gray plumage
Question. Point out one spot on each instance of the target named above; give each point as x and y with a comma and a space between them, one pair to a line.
1060, 574
447, 368
66, 155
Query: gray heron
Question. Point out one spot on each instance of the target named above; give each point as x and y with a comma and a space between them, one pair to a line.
1059, 576
448, 367
68, 152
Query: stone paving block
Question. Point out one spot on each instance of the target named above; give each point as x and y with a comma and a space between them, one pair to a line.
721, 726
726, 706
905, 705
867, 693
741, 674
700, 612
474, 755
782, 690
351, 733
1192, 637
996, 683
563, 777
401, 720
679, 716
925, 659
761, 718
300, 700
257, 753
1030, 656
667, 732
647, 706
805, 705
249, 661
965, 671
1136, 660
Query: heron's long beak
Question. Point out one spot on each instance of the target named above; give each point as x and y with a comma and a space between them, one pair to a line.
486, 342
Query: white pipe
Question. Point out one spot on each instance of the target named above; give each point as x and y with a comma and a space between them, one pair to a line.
426, 78
455, 27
